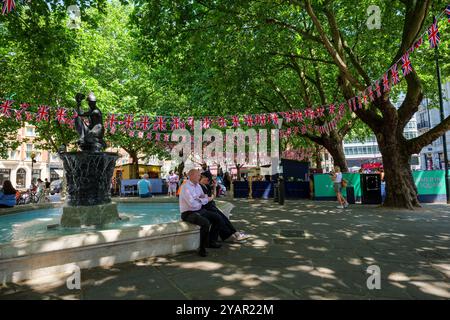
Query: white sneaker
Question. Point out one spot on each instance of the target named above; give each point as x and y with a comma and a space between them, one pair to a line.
340, 207
346, 205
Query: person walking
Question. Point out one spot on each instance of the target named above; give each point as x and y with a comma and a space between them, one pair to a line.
336, 176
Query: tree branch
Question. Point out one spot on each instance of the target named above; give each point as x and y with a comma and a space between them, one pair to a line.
416, 144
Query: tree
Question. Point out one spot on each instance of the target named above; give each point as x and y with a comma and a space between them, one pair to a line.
383, 118
231, 57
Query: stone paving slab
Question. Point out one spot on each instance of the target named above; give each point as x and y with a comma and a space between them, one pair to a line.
302, 250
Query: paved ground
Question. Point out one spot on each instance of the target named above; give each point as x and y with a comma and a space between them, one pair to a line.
303, 250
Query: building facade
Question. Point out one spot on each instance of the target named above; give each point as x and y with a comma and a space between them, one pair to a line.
432, 155
18, 167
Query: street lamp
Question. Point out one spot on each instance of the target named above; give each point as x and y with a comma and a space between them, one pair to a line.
441, 109
33, 161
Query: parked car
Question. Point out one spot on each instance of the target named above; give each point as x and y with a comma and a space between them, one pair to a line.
55, 186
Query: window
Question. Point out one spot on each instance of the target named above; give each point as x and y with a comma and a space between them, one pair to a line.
54, 157
29, 150
30, 132
54, 175
5, 174
36, 174
13, 155
21, 176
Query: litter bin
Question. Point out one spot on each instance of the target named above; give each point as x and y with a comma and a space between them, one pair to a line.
371, 189
351, 195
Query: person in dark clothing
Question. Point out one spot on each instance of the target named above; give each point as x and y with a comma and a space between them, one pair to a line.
47, 184
226, 229
207, 173
227, 180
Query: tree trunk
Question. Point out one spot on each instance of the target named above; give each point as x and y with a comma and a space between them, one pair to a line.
180, 169
335, 147
134, 173
318, 157
401, 190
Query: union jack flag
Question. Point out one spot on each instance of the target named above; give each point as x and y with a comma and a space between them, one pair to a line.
309, 114
406, 64
371, 97
42, 113
160, 124
274, 118
222, 122
28, 116
257, 119
350, 104
288, 117
8, 6
206, 123
394, 73
303, 129
145, 123
131, 134
5, 108
320, 112
378, 88
112, 120
18, 115
140, 134
386, 85
112, 130
331, 109
191, 121
433, 34
61, 115
263, 120
166, 137
128, 121
149, 136
24, 106
341, 108
176, 124
359, 102
157, 136
447, 12
236, 122
299, 116
365, 98
296, 129
248, 119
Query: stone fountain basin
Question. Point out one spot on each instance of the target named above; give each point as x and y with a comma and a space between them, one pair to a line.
48, 257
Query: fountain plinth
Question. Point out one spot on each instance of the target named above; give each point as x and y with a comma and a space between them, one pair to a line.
88, 177
88, 173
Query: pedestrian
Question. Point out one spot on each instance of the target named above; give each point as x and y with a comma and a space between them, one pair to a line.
145, 187
338, 184
173, 180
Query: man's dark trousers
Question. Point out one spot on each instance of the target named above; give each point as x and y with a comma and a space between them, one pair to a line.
206, 220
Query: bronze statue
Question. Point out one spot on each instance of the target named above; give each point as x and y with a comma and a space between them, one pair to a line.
91, 134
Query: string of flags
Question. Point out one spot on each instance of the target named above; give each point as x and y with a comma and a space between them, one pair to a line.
8, 6
297, 121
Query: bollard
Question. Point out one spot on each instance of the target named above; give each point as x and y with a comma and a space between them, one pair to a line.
281, 191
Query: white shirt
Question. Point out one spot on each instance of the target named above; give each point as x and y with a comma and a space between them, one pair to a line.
338, 177
190, 197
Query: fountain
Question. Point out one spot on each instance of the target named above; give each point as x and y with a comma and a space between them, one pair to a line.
88, 172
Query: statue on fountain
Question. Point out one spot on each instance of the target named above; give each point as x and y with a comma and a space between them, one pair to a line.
88, 172
91, 134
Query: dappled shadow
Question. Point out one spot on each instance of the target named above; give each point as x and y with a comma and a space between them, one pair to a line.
328, 259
